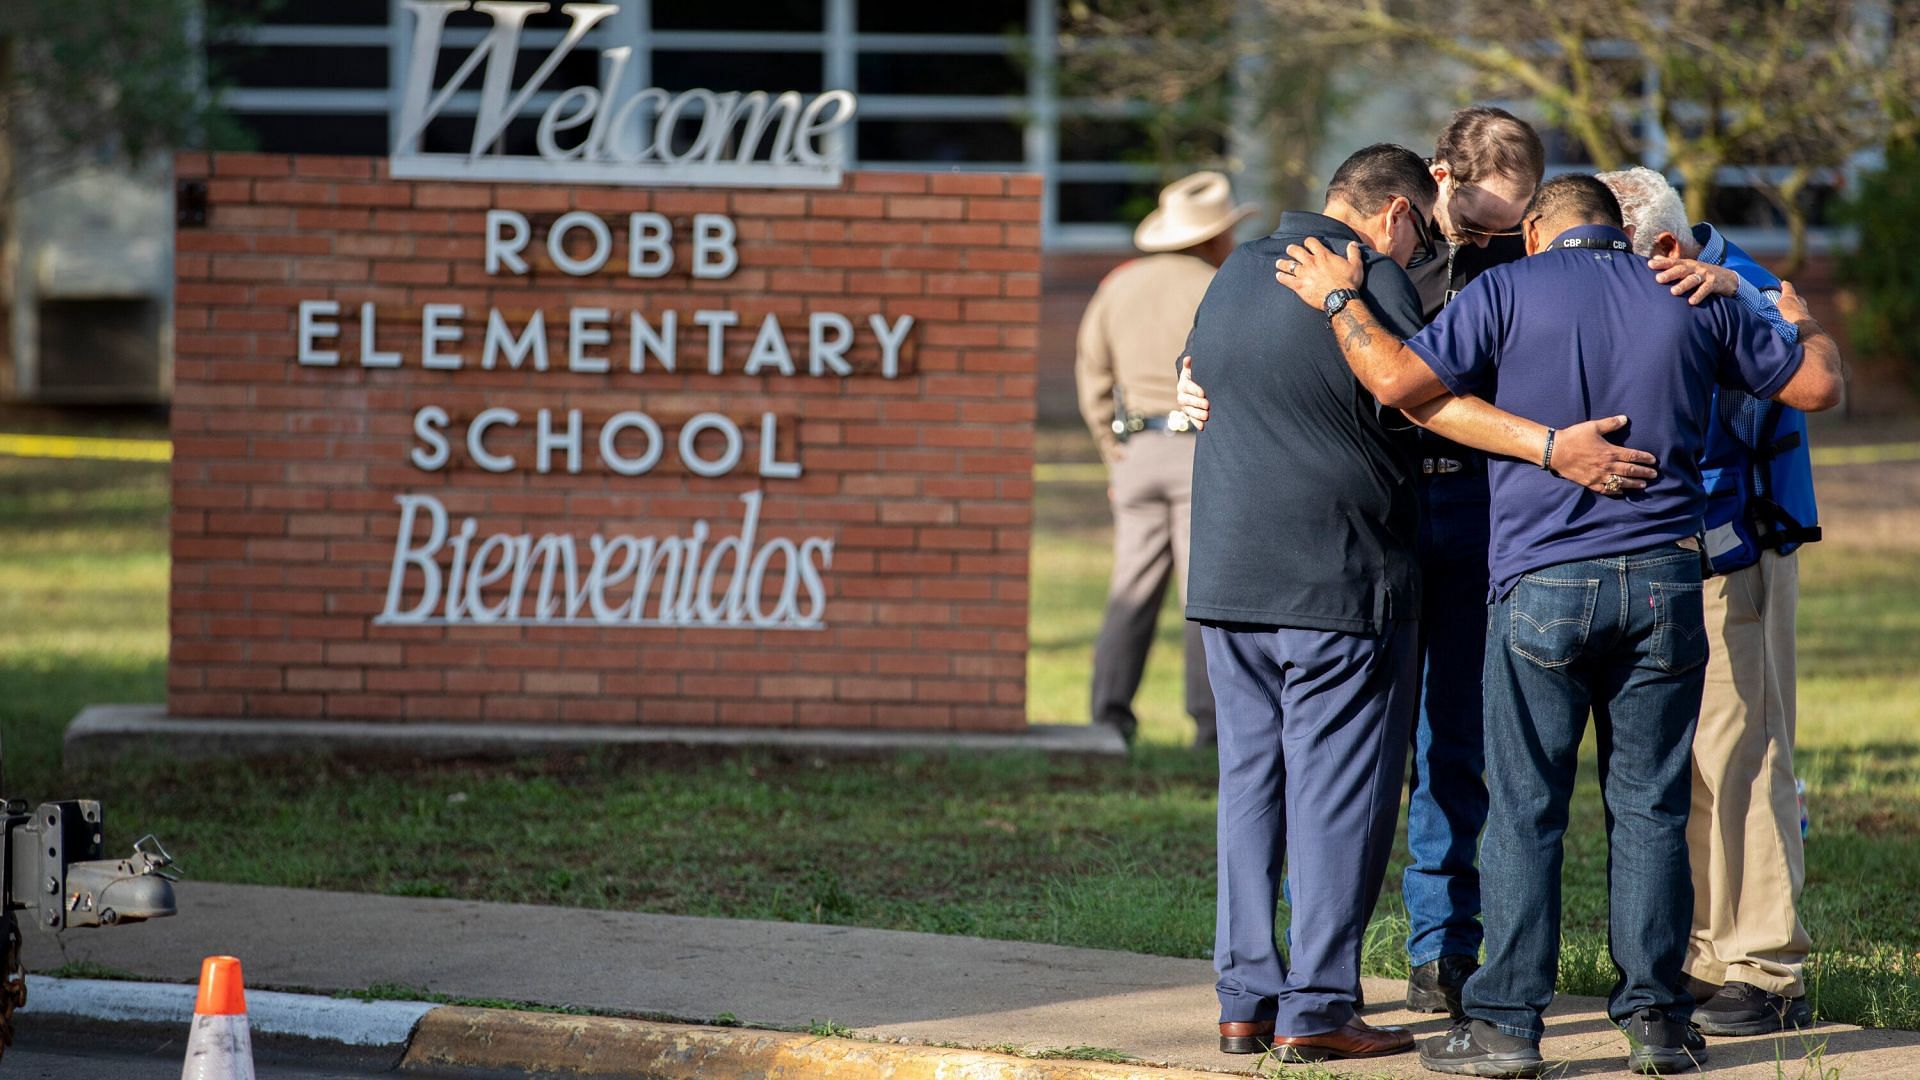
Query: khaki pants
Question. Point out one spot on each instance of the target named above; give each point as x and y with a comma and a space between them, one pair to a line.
1152, 514
1743, 835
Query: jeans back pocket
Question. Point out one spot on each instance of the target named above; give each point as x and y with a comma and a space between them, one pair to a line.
1679, 626
1549, 618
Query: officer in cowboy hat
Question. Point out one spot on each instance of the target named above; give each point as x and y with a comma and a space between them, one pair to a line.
1134, 327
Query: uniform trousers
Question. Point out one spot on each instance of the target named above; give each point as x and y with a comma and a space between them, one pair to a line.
1744, 829
1152, 515
1313, 738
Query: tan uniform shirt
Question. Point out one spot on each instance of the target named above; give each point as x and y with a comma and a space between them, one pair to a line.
1132, 335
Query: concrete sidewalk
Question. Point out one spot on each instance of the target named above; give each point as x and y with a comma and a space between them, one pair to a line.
919, 988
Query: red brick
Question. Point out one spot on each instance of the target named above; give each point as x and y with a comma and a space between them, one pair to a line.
853, 206
268, 244
966, 234
452, 195
926, 208
374, 195
297, 192
889, 182
769, 204
1023, 211
967, 184
237, 164
310, 219
250, 268
284, 521
343, 168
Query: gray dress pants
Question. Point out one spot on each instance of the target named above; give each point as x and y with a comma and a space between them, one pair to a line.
1152, 512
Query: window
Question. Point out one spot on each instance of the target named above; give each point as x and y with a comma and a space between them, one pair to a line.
977, 17
316, 66
774, 72
317, 133
1094, 138
1106, 201
942, 141
740, 14
302, 12
941, 73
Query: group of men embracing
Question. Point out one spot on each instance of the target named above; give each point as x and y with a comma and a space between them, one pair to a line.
1473, 469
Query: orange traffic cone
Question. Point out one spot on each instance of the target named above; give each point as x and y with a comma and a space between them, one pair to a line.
220, 1047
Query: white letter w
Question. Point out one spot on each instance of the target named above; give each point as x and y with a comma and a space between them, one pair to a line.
500, 48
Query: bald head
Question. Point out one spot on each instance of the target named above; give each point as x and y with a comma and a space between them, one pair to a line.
1565, 202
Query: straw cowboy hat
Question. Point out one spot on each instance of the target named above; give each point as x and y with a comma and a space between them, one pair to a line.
1191, 211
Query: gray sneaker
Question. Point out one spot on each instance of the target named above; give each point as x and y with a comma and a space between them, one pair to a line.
1477, 1048
1659, 1045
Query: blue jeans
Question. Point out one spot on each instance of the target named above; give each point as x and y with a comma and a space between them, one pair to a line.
1313, 737
1625, 638
1447, 799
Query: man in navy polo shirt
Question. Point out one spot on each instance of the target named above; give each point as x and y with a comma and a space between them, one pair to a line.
1596, 602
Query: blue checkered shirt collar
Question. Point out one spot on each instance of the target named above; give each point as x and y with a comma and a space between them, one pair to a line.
1713, 246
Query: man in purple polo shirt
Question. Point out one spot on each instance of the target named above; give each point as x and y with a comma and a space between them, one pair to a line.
1596, 602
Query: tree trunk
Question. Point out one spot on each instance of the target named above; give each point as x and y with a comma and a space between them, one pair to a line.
1697, 174
1785, 197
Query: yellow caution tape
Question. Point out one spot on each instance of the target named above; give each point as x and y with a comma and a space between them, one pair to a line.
76, 447
1069, 472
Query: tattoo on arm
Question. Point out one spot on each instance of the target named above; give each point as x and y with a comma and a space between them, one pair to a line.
1356, 331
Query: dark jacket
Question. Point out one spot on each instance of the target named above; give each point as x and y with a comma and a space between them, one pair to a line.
1303, 509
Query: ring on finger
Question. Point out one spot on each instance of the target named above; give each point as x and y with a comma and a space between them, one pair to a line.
1288, 266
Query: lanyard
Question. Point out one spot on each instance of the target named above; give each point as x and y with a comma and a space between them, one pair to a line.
1594, 242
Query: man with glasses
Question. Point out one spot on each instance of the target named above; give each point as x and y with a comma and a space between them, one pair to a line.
1486, 164
1485, 167
1304, 581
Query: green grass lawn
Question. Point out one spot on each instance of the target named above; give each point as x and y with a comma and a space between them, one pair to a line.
1109, 855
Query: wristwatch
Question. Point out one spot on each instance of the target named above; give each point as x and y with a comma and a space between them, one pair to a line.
1337, 299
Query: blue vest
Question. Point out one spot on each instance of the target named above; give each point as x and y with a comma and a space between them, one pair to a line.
1755, 466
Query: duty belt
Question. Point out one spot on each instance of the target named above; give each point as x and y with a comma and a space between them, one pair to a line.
1174, 422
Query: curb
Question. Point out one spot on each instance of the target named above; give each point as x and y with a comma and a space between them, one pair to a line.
372, 1026
102, 734
418, 1036
498, 1040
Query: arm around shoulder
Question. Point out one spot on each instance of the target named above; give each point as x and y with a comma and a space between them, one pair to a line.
1820, 381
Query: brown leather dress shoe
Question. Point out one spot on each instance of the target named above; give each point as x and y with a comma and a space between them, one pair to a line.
1246, 1037
1358, 1039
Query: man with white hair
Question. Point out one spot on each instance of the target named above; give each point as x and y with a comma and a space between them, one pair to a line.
1747, 946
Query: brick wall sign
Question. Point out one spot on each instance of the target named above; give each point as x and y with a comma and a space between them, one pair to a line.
569, 453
